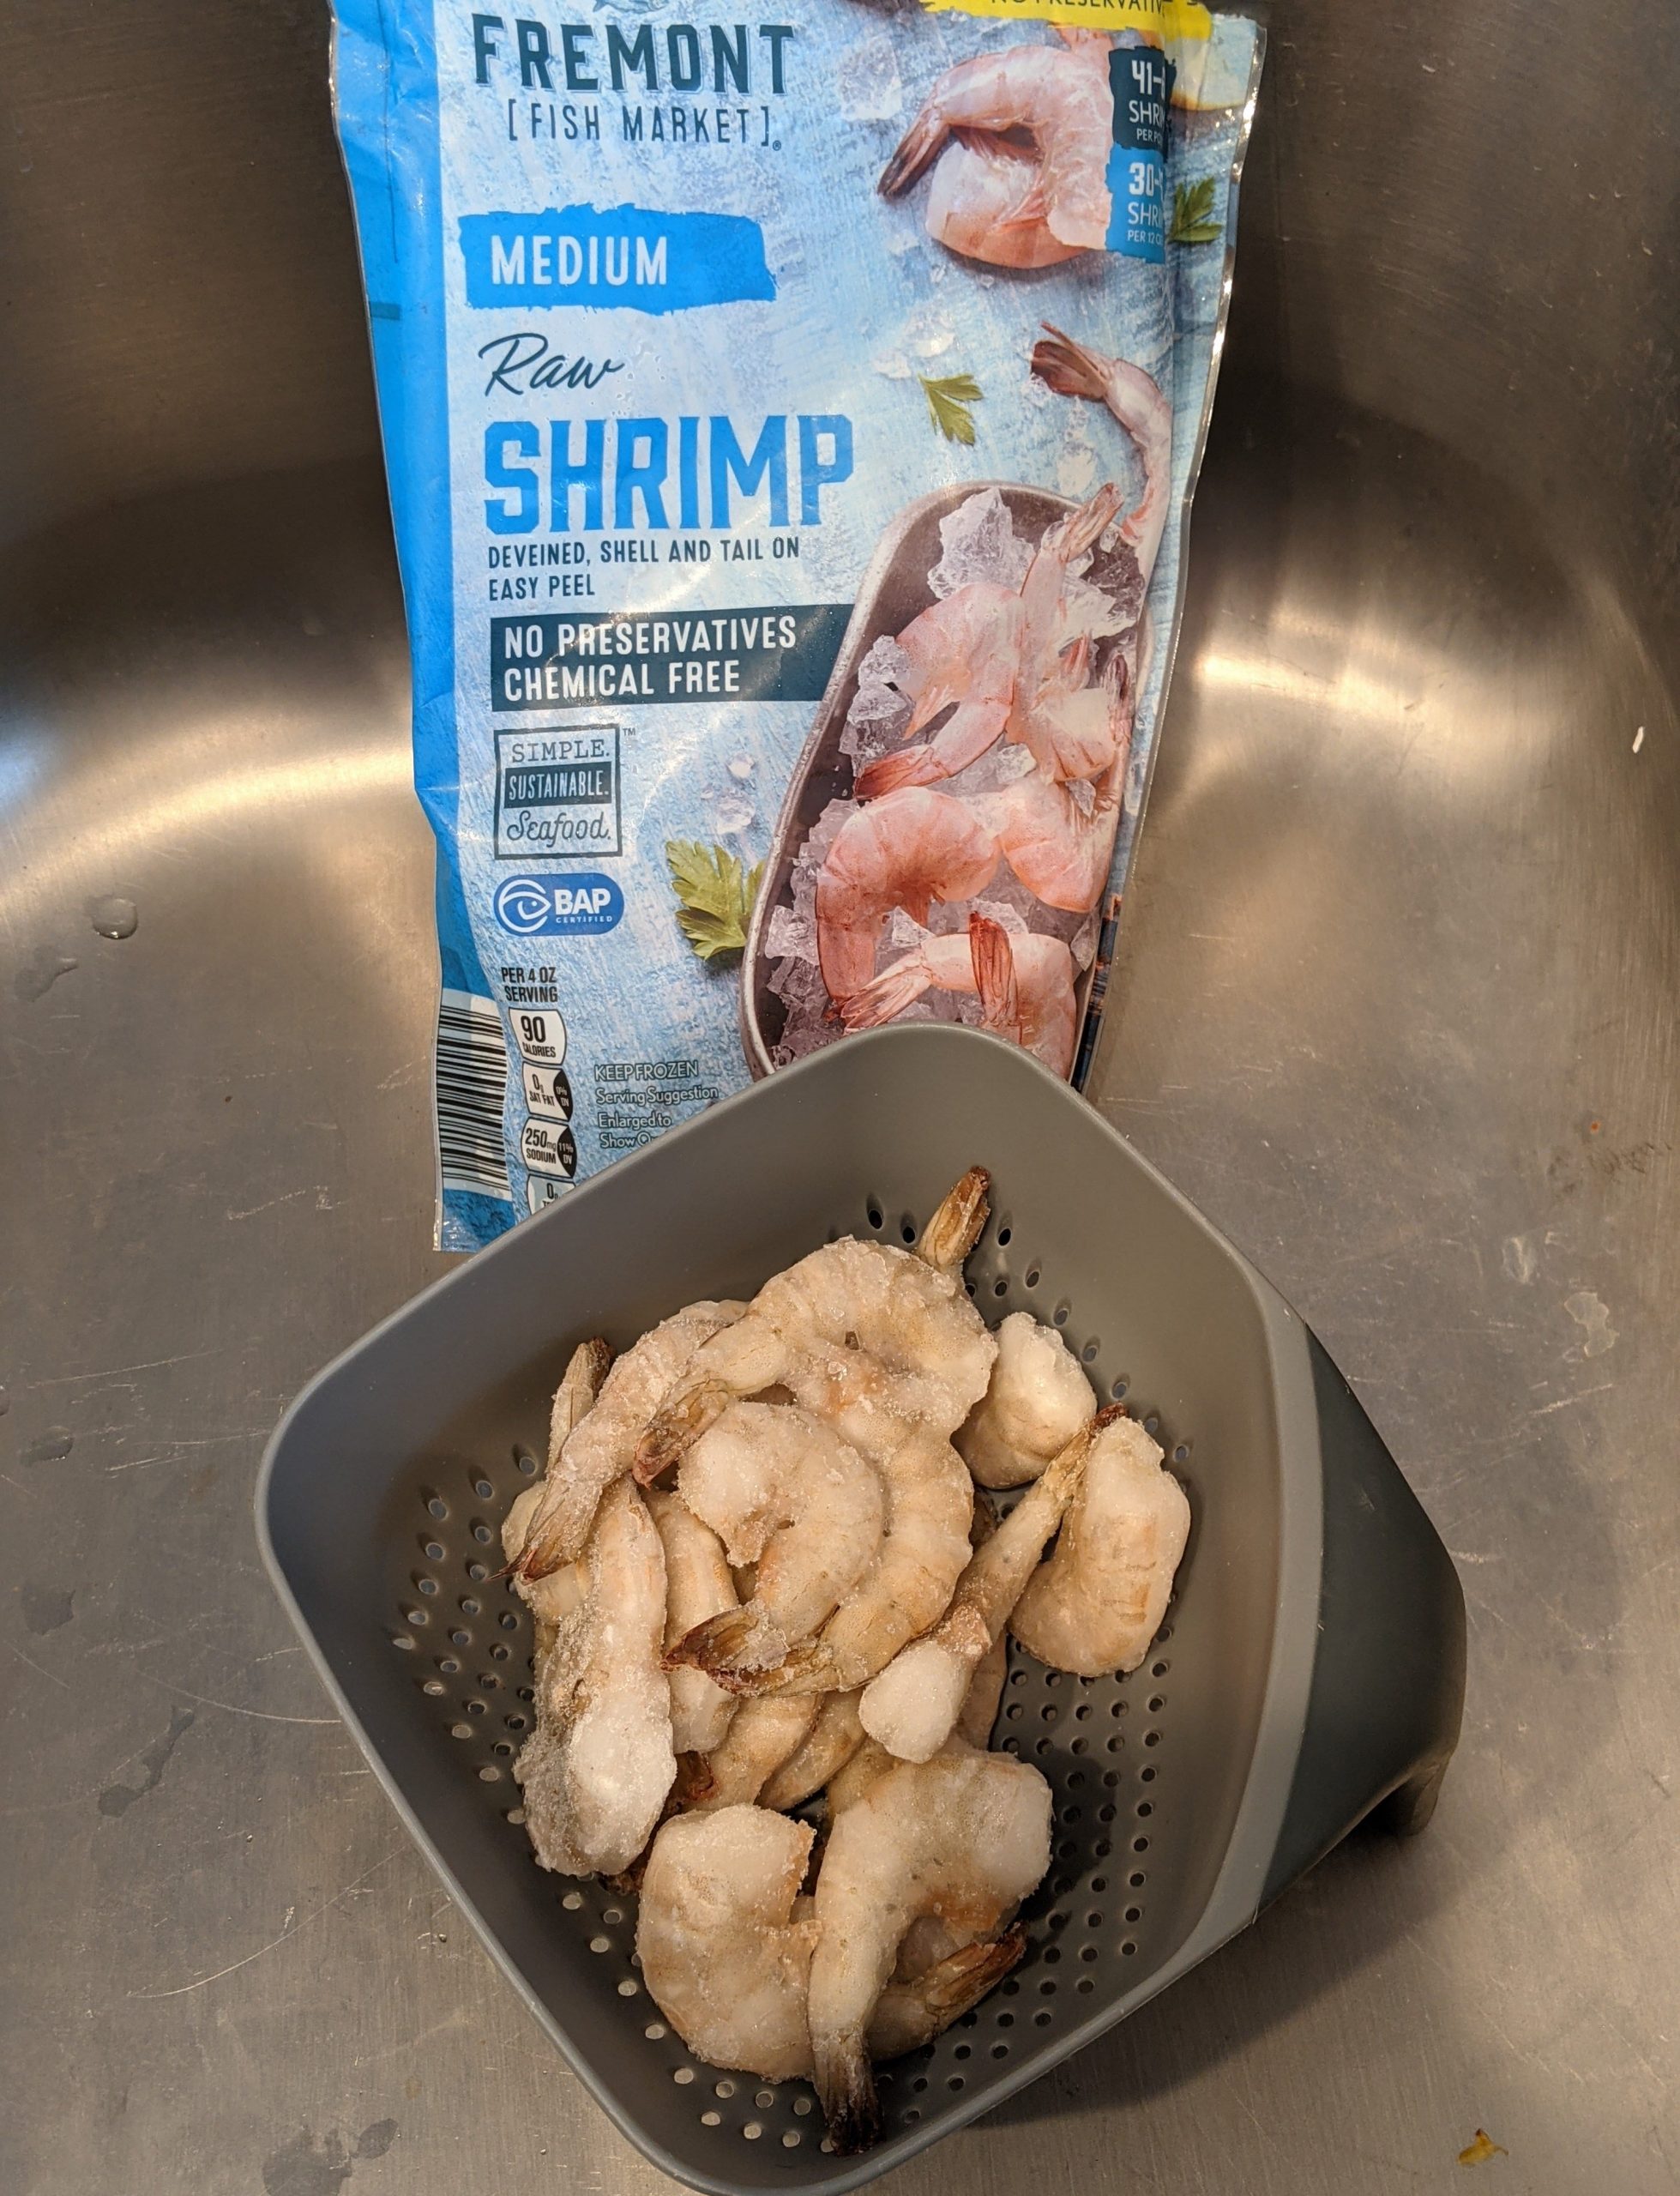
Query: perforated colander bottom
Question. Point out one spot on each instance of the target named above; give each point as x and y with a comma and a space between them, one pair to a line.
1102, 1744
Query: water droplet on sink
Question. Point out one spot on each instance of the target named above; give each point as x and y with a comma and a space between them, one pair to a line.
47, 1448
5, 1402
112, 916
41, 971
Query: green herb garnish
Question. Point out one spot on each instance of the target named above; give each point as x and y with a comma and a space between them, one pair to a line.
1193, 219
715, 893
948, 400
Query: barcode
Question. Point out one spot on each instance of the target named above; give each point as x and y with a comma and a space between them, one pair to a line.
472, 1084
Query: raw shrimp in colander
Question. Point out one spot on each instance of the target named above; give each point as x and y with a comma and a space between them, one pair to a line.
698, 1585
1038, 1400
597, 1768
830, 1743
871, 1338
1098, 1601
913, 1706
782, 1491
555, 1596
598, 1448
930, 1502
762, 1734
726, 1941
965, 1837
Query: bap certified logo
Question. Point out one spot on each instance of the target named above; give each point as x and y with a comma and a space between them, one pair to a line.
584, 904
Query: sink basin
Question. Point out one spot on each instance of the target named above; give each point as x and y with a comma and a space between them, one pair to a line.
1393, 1004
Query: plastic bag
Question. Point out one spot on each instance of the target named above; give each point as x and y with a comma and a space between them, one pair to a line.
790, 425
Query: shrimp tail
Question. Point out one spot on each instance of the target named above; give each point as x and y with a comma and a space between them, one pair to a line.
675, 1426
1068, 367
808, 1667
580, 1383
885, 997
916, 153
847, 2087
561, 1542
995, 976
962, 1980
962, 1213
911, 766
732, 1646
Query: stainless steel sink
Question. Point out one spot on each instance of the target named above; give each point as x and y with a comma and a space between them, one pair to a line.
1395, 1005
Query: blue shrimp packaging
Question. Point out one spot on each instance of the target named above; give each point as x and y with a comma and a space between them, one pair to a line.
676, 312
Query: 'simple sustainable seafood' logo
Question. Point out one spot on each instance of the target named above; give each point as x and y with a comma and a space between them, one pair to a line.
583, 905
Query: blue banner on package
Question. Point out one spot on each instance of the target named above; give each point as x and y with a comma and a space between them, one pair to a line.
622, 257
1141, 81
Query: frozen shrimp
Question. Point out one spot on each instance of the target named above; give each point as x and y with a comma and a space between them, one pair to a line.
1098, 1601
905, 851
1056, 95
698, 1585
762, 1734
870, 1337
913, 1706
597, 1768
930, 1504
598, 1448
848, 1783
1136, 400
782, 1490
1038, 1400
967, 1837
726, 1940
1058, 839
962, 651
555, 1597
826, 1748
987, 201
1026, 987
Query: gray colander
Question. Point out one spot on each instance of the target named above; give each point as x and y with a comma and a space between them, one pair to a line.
1311, 1666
